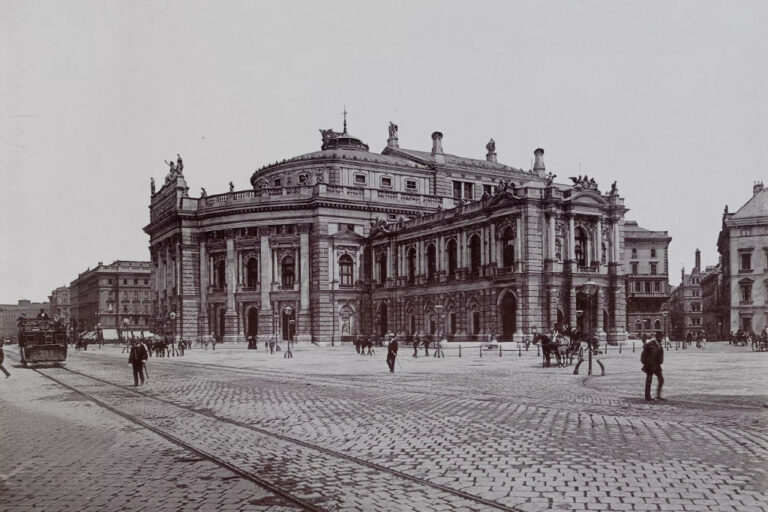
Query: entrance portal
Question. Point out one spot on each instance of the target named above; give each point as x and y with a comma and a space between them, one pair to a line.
383, 319
508, 312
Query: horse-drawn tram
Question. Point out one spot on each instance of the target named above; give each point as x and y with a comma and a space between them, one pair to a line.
42, 341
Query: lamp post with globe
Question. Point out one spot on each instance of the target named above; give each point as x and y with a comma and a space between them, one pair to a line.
172, 318
589, 288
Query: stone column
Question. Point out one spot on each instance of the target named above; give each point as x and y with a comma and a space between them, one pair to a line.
553, 301
599, 307
483, 254
492, 244
599, 241
240, 268
303, 319
588, 251
572, 307
230, 317
519, 243
265, 286
551, 240
202, 315
571, 242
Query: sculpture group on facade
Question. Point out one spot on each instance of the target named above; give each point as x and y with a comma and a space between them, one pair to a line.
392, 130
203, 193
584, 182
549, 179
174, 169
491, 146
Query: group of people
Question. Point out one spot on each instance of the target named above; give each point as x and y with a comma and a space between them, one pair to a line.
270, 345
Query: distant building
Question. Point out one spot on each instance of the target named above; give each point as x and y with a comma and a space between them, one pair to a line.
10, 313
743, 247
685, 304
714, 309
646, 256
59, 304
110, 294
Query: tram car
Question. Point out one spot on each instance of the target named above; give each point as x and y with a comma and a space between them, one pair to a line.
42, 341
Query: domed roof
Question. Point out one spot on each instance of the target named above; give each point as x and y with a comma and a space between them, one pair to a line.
335, 140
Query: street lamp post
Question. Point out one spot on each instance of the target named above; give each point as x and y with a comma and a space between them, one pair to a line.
172, 317
666, 332
438, 310
333, 310
590, 287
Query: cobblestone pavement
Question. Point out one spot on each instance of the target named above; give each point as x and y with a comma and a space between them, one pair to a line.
441, 431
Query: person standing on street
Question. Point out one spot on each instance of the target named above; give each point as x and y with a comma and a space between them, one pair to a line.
136, 358
416, 346
652, 359
392, 354
2, 358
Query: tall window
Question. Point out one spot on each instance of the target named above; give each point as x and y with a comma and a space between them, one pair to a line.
252, 273
431, 261
746, 261
657, 286
653, 269
634, 253
653, 253
452, 257
457, 190
221, 274
508, 245
581, 247
746, 293
468, 191
289, 272
634, 269
647, 287
346, 266
382, 261
474, 255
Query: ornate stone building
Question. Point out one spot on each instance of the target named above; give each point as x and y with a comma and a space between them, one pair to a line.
330, 244
743, 247
647, 278
59, 304
685, 306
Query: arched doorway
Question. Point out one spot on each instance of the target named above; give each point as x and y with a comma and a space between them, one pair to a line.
452, 257
253, 322
474, 255
383, 327
508, 314
431, 261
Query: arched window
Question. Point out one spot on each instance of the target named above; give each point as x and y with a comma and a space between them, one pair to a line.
508, 247
411, 259
252, 273
474, 255
657, 325
581, 247
289, 272
220, 274
452, 257
431, 261
346, 266
382, 261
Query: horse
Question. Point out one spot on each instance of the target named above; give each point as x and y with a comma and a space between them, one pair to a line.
548, 348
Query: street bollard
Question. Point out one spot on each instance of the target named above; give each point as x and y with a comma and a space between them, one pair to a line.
459, 350
481, 350
519, 351
620, 347
633, 347
499, 350
538, 354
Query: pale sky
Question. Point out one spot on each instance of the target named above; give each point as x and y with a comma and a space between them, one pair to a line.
668, 98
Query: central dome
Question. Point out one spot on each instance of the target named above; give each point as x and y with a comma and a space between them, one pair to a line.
336, 140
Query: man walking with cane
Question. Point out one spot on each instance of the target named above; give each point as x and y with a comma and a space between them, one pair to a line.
652, 359
392, 354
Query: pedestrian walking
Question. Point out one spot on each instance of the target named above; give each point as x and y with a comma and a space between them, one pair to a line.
416, 346
652, 359
2, 358
136, 359
272, 345
426, 345
392, 354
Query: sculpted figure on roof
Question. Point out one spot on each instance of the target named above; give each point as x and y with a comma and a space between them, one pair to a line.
392, 130
491, 146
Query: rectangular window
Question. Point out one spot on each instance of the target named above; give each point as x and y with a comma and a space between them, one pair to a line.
634, 269
410, 185
487, 189
746, 323
653, 269
647, 287
278, 182
457, 190
653, 253
746, 261
360, 179
386, 182
468, 191
135, 281
109, 281
638, 286
125, 281
657, 286
746, 294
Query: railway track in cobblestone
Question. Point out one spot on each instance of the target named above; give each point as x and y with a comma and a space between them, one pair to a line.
466, 500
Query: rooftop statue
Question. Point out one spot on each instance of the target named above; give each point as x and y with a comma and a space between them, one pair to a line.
491, 146
179, 164
392, 130
171, 171
614, 189
203, 193
231, 187
549, 179
328, 134
152, 185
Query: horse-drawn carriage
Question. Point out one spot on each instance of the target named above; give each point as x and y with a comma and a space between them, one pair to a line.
560, 346
42, 341
760, 343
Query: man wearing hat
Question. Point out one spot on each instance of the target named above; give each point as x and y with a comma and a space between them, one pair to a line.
136, 358
652, 359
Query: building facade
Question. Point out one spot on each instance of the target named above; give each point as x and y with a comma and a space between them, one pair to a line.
647, 278
59, 304
685, 305
108, 295
326, 246
743, 247
714, 316
10, 313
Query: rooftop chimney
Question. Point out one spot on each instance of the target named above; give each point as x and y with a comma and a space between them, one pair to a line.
757, 188
682, 275
698, 260
437, 143
538, 164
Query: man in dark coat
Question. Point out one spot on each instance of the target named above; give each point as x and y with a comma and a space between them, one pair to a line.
652, 359
392, 354
416, 342
136, 358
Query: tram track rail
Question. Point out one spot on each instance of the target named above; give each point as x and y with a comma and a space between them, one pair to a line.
276, 489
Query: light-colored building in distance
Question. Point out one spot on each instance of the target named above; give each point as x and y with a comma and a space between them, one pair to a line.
59, 304
685, 306
743, 247
10, 313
